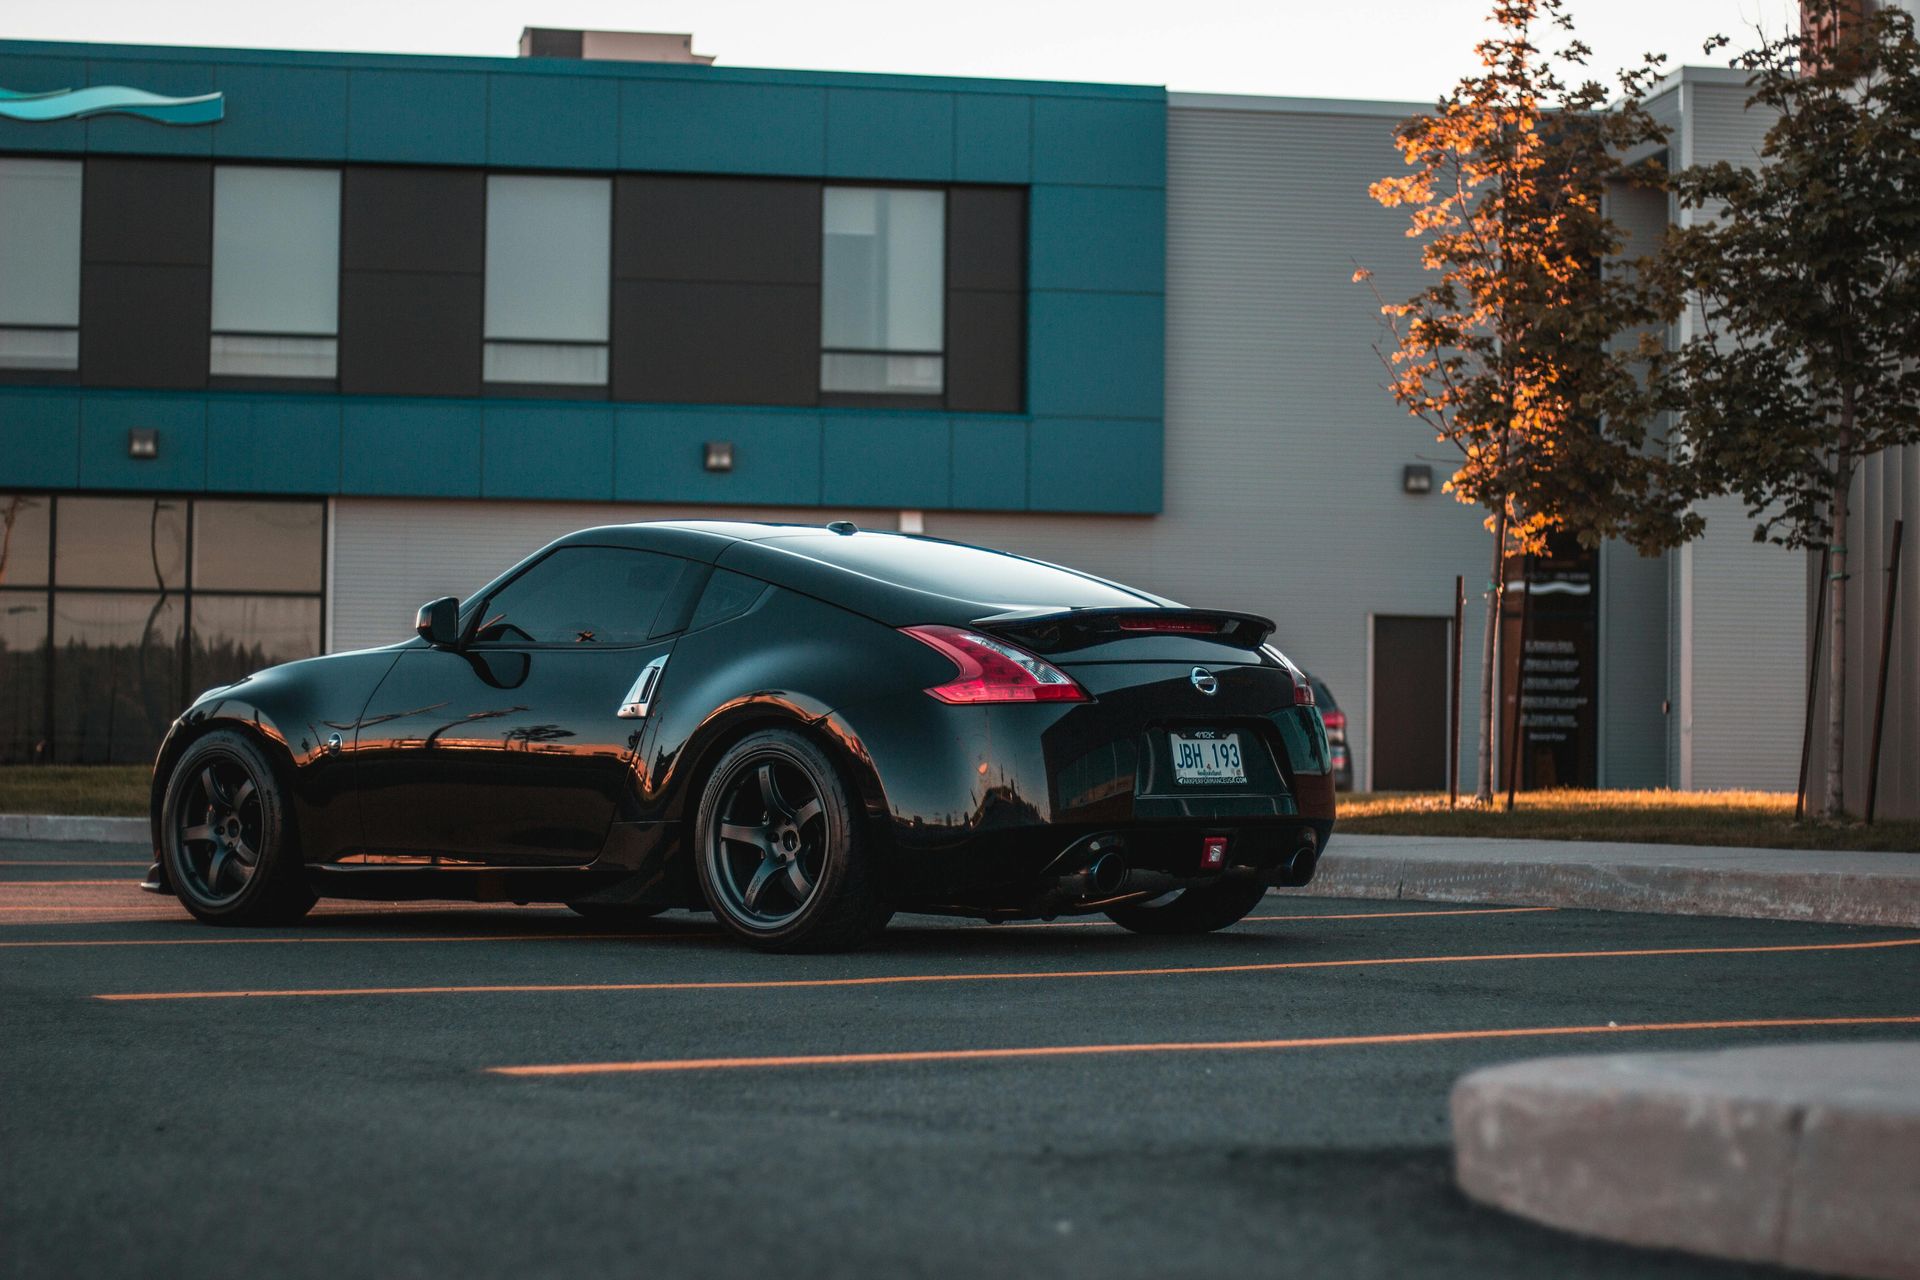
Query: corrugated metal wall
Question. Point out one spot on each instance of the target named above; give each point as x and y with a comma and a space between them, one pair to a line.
1739, 630
1284, 453
1888, 490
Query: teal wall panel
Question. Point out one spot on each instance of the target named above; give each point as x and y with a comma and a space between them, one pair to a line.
42, 75
1100, 142
876, 459
1091, 465
406, 116
181, 422
273, 444
547, 451
660, 456
992, 137
1096, 354
989, 463
881, 133
1094, 155
410, 448
294, 113
553, 122
146, 137
39, 439
722, 127
1098, 238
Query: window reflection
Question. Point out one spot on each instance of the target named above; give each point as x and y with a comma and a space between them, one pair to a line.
121, 663
234, 636
24, 519
257, 546
121, 542
23, 676
116, 674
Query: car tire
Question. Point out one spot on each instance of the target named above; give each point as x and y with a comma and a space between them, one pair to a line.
782, 850
614, 912
1198, 910
231, 851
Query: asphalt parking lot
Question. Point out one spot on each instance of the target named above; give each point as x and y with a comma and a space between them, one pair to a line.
501, 1090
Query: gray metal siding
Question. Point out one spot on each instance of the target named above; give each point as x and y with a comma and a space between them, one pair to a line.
1283, 452
1739, 631
1888, 489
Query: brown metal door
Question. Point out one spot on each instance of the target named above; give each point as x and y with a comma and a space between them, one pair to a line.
1410, 703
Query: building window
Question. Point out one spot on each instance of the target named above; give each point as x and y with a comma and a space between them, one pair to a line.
39, 264
276, 273
115, 611
883, 292
549, 253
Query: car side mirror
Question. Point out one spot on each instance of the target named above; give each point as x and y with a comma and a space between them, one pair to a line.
438, 622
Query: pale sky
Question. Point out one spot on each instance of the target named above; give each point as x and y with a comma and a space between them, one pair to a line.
1395, 49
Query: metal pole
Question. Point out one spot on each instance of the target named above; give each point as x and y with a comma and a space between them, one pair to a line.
1813, 674
1520, 678
1886, 646
1453, 715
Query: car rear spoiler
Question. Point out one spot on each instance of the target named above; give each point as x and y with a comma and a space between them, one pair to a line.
1057, 630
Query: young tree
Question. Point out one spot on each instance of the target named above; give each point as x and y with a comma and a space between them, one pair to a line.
1526, 353
1807, 279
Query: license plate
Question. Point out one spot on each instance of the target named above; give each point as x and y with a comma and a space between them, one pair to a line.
1207, 758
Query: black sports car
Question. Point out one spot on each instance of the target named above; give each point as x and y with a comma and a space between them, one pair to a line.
800, 729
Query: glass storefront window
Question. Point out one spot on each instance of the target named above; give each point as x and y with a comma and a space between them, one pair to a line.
24, 519
116, 674
140, 543
257, 546
150, 601
23, 676
236, 635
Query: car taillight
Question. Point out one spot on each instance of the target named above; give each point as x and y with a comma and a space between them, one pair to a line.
993, 670
1302, 687
1335, 720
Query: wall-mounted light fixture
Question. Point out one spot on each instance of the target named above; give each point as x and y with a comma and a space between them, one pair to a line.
719, 455
143, 442
1417, 479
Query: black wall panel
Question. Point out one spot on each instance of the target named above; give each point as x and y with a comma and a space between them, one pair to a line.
145, 277
986, 299
739, 229
717, 290
412, 286
148, 212
408, 333
144, 326
413, 219
709, 342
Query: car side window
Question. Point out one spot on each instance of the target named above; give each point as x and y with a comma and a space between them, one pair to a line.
728, 595
581, 596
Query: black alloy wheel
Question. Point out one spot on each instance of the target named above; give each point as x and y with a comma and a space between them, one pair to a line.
783, 857
228, 843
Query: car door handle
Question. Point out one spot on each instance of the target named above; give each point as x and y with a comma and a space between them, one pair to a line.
639, 699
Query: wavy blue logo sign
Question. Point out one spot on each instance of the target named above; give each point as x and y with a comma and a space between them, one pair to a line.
110, 99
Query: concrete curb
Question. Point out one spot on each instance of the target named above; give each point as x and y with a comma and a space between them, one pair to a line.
1802, 1155
1774, 884
57, 829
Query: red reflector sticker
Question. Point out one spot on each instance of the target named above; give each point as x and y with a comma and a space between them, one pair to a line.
1213, 853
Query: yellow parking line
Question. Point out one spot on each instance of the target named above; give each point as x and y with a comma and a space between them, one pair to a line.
782, 984
1197, 1046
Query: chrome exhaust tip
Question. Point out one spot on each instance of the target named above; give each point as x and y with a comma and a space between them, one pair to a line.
1106, 874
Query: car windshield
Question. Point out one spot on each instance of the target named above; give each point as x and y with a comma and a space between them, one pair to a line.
961, 572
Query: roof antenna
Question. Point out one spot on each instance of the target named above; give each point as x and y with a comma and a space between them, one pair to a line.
845, 528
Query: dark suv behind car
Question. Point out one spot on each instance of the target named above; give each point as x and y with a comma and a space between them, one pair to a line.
1336, 722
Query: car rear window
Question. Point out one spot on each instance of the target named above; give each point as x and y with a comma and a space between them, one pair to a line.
962, 572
